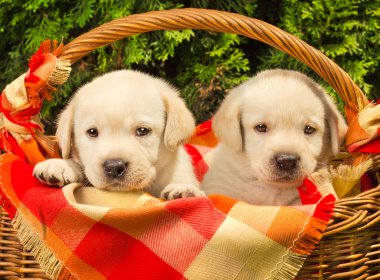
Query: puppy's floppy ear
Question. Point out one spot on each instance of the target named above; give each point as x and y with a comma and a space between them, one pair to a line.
337, 124
65, 130
227, 121
180, 123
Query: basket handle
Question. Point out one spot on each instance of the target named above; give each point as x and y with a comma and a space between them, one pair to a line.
191, 18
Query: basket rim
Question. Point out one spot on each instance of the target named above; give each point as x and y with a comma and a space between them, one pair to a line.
220, 21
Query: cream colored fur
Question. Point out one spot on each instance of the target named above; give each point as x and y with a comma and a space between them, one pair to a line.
243, 164
117, 104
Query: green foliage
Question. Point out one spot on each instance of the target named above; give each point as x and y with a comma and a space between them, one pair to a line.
202, 64
347, 31
213, 64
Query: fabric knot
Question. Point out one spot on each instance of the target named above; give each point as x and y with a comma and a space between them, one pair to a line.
364, 130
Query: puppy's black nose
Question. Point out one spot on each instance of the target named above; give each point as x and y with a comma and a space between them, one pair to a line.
114, 168
287, 162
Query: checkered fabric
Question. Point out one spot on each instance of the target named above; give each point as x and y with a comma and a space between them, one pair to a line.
80, 232
363, 133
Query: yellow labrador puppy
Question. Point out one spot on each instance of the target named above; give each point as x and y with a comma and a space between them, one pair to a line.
274, 130
124, 131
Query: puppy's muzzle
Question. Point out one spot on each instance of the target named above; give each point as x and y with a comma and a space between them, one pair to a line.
287, 162
115, 168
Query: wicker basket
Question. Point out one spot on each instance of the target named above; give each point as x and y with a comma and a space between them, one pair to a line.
350, 247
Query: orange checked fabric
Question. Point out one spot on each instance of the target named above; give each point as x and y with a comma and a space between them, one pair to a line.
80, 232
364, 130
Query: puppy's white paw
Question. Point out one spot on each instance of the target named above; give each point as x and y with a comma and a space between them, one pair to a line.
58, 172
174, 191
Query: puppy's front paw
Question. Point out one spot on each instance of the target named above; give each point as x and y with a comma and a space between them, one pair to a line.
58, 172
174, 191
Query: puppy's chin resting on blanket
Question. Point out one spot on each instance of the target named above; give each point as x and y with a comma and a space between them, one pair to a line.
275, 129
124, 131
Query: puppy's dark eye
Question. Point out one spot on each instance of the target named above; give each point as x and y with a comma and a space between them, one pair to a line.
262, 128
92, 132
309, 129
142, 131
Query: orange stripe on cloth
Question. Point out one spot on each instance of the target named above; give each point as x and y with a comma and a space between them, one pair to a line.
204, 136
364, 128
50, 237
290, 221
70, 234
81, 268
223, 203
9, 199
31, 151
356, 134
137, 221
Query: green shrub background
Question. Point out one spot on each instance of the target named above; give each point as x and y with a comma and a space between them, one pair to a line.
202, 64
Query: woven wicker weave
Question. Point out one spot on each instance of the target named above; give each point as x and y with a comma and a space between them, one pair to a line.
15, 263
350, 248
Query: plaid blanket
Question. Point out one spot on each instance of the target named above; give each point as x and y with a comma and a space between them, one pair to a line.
80, 232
